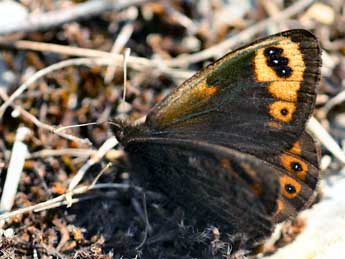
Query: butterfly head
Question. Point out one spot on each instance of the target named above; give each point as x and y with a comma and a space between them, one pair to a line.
125, 131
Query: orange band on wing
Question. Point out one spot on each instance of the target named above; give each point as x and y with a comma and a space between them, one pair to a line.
286, 91
296, 148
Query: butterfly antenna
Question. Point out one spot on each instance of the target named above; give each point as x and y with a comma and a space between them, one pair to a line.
117, 126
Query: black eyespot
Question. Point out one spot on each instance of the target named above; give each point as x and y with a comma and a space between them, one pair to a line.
290, 188
277, 61
273, 52
296, 166
284, 112
283, 71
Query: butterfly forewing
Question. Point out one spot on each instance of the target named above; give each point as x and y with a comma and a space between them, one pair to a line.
256, 99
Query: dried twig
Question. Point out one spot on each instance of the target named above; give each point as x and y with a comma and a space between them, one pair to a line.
15, 168
51, 19
107, 145
125, 58
136, 63
61, 199
336, 100
94, 182
41, 73
40, 124
245, 35
121, 41
77, 152
323, 136
49, 69
180, 18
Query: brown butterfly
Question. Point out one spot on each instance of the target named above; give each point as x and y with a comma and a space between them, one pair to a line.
229, 145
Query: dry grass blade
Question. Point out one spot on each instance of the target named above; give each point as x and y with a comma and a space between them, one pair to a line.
108, 145
51, 19
137, 63
121, 41
326, 139
62, 200
15, 168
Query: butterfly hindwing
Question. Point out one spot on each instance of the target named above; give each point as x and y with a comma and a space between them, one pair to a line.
298, 174
209, 181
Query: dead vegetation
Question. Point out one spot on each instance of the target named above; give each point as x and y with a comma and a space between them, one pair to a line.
62, 63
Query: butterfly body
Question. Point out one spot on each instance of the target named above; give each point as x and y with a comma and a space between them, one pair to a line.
229, 144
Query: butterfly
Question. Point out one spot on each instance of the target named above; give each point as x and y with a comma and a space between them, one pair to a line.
229, 145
